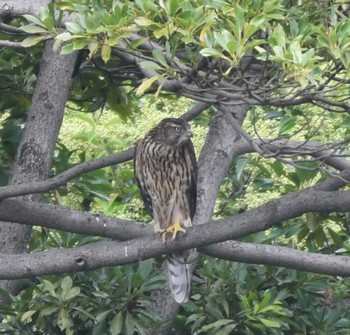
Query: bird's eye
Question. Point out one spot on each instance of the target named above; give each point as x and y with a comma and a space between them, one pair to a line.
178, 129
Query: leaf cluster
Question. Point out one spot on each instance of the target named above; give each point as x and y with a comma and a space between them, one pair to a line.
112, 301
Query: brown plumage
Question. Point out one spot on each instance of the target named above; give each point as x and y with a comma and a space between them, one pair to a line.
166, 173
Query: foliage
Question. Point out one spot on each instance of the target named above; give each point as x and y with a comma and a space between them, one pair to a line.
279, 31
113, 301
250, 299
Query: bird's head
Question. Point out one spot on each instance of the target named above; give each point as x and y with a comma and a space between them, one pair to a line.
173, 132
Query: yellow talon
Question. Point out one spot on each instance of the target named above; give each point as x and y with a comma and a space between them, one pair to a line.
174, 229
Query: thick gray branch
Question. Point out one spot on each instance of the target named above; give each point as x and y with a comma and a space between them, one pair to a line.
63, 178
222, 145
280, 256
116, 253
103, 254
13, 8
65, 218
11, 44
260, 218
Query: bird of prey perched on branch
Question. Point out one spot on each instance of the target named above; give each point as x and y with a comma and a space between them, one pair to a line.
166, 174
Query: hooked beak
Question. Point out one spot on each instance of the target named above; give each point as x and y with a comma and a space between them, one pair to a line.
189, 133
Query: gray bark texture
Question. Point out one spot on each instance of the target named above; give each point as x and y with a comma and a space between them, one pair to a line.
17, 8
35, 151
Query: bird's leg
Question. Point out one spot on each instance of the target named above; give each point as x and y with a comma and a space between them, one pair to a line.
174, 229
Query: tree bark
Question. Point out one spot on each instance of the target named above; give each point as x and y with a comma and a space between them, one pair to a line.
17, 8
35, 151
223, 144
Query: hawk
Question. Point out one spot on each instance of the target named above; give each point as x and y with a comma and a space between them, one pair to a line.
166, 174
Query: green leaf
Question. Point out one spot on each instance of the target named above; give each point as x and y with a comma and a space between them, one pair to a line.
257, 21
210, 52
48, 310
66, 36
145, 268
146, 84
66, 284
173, 6
153, 283
33, 40
65, 6
102, 316
67, 49
27, 315
129, 324
159, 57
106, 50
74, 27
116, 324
287, 124
240, 165
239, 20
263, 303
73, 292
278, 37
296, 52
86, 118
144, 21
49, 287
320, 236
245, 302
34, 20
31, 29
278, 168
271, 308
302, 234
270, 323
80, 43
337, 239
216, 325
223, 38
64, 320
293, 177
100, 328
101, 294
149, 65
249, 31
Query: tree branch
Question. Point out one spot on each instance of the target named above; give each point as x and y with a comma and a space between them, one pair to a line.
198, 108
222, 145
67, 219
102, 254
64, 218
203, 85
280, 256
11, 44
64, 177
14, 8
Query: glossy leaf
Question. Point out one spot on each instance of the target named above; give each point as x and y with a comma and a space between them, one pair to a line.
146, 84
116, 324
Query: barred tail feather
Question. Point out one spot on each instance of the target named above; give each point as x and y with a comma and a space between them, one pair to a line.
180, 269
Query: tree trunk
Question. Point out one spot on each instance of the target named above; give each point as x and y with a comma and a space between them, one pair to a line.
35, 151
